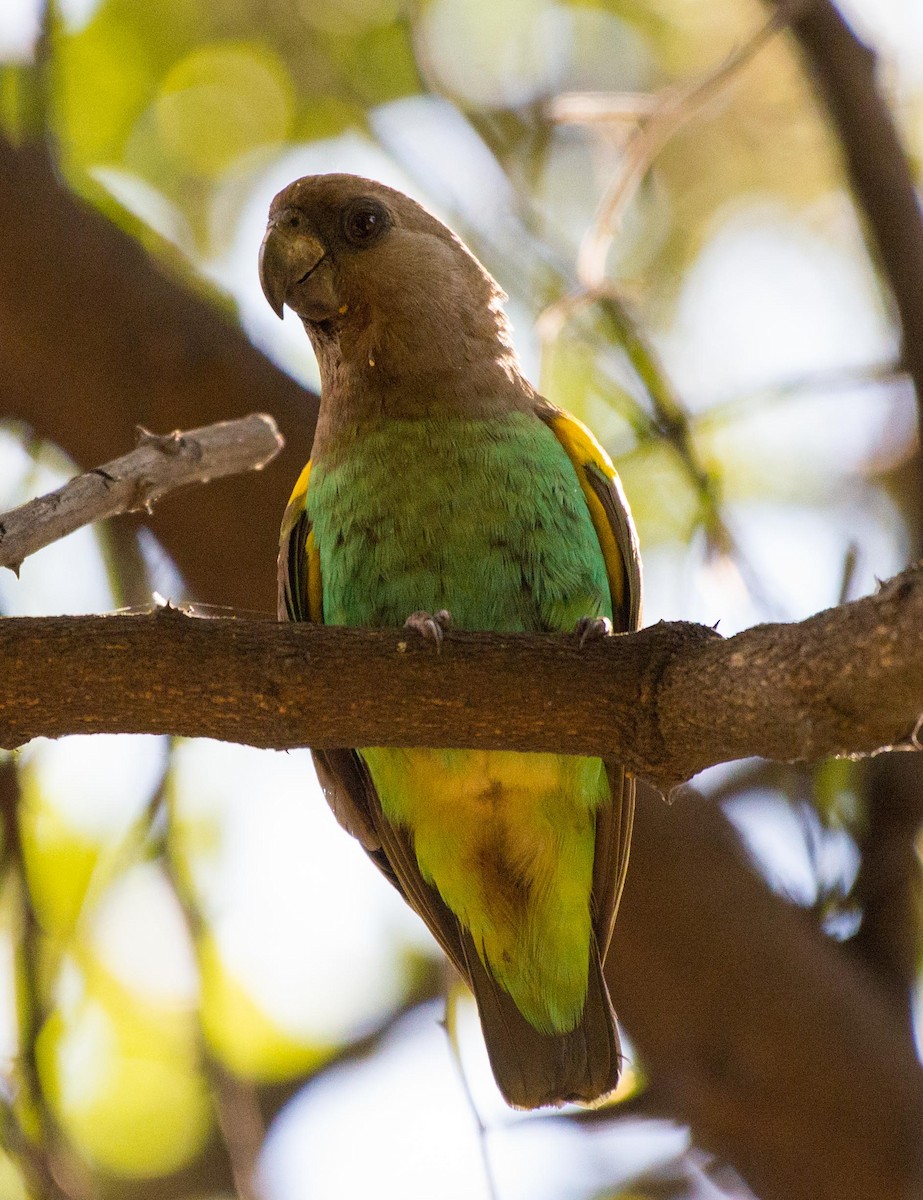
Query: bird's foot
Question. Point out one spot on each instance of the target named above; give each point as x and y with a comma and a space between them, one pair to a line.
433, 626
589, 629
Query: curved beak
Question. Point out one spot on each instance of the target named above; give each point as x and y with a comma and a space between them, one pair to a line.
287, 257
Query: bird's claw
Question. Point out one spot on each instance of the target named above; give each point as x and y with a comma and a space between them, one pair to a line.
589, 629
432, 626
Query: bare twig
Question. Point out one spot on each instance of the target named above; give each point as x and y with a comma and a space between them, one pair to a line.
34, 1137
132, 483
235, 1100
656, 120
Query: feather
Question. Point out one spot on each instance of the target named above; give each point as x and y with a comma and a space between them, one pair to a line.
440, 479
619, 543
532, 1069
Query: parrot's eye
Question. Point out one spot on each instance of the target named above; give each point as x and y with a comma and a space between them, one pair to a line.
364, 221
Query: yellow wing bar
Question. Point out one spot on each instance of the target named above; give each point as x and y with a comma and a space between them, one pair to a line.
609, 511
301, 595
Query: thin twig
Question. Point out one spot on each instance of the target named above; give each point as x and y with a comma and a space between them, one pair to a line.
53, 1172
669, 421
133, 482
735, 407
657, 119
235, 1100
455, 992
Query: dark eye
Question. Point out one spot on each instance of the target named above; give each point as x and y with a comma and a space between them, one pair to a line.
364, 221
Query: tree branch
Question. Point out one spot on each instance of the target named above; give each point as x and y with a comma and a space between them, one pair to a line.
88, 317
779, 1050
667, 701
161, 463
844, 71
888, 887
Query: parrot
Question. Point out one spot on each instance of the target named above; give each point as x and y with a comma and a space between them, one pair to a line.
444, 492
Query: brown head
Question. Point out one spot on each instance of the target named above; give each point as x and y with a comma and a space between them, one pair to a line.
402, 316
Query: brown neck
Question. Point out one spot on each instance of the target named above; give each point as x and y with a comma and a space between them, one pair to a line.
414, 372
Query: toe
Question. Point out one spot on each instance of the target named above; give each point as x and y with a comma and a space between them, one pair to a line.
429, 626
589, 629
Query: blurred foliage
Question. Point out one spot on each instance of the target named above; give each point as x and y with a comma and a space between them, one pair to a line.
145, 984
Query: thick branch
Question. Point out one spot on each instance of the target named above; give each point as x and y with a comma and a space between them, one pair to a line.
160, 464
667, 701
844, 71
87, 317
888, 888
777, 1048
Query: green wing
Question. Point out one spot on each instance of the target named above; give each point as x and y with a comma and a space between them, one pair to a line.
619, 543
531, 1067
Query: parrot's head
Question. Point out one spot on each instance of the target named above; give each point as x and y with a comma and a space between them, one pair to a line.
378, 279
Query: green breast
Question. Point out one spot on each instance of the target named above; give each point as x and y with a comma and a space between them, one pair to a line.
484, 517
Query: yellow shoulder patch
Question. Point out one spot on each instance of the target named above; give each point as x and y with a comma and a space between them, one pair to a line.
584, 451
299, 558
300, 489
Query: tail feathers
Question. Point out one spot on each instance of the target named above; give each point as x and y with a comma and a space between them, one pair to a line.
534, 1069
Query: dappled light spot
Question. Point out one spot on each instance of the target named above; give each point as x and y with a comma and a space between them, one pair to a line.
121, 1082
220, 102
306, 946
500, 55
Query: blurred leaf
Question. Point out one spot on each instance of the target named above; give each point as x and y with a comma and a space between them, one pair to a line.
663, 500
66, 858
220, 102
12, 1186
241, 1034
835, 789
349, 16
59, 862
21, 112
377, 65
328, 116
122, 1076
92, 122
574, 376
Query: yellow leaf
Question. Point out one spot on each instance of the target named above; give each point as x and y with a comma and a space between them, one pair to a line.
241, 1034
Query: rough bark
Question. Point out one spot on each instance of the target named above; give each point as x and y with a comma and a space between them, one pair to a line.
667, 701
